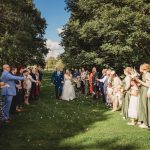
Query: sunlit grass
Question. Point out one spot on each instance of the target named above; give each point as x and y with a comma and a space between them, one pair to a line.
82, 124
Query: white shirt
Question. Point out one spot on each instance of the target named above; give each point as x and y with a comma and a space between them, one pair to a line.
103, 79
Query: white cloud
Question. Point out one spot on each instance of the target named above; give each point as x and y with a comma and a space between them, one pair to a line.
60, 30
55, 48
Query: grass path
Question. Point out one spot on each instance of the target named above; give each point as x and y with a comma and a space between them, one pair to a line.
82, 124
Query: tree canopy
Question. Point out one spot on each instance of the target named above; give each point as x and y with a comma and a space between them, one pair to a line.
21, 33
113, 33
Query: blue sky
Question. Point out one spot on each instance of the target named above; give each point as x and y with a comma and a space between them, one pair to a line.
55, 15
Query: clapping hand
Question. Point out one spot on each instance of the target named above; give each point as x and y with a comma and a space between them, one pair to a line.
3, 85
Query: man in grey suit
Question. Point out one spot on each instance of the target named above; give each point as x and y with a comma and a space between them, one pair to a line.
9, 91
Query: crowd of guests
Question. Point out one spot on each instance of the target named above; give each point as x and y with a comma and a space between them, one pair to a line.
130, 95
19, 86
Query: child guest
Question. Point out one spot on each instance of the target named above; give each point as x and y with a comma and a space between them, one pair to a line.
133, 105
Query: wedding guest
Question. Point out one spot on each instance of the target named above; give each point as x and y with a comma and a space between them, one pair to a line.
37, 83
117, 95
106, 83
78, 83
87, 84
19, 96
127, 87
76, 73
133, 104
13, 104
95, 84
80, 70
144, 102
106, 80
109, 94
35, 86
76, 77
101, 84
83, 76
40, 72
8, 92
27, 85
19, 90
90, 82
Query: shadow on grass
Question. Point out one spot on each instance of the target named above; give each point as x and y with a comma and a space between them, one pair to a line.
111, 144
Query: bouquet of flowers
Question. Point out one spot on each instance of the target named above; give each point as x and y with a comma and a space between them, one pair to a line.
134, 74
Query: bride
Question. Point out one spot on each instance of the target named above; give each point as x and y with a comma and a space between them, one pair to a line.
68, 89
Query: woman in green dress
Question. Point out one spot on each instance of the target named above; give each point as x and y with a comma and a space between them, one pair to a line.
144, 102
127, 86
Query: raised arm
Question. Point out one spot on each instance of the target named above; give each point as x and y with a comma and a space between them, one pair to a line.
12, 77
30, 77
147, 83
102, 80
144, 83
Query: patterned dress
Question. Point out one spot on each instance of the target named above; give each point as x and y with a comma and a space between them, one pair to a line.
90, 81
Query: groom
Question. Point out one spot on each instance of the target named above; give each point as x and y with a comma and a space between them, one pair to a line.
58, 79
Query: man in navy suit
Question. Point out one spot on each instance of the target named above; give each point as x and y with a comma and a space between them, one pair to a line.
9, 91
58, 79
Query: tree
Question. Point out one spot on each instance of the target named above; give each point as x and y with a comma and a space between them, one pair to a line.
111, 33
21, 35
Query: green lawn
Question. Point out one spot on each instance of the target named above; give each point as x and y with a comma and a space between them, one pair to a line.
82, 124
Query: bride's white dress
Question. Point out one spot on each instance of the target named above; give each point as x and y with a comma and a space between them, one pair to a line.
68, 92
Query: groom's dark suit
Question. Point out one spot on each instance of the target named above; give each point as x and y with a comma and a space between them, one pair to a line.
58, 78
